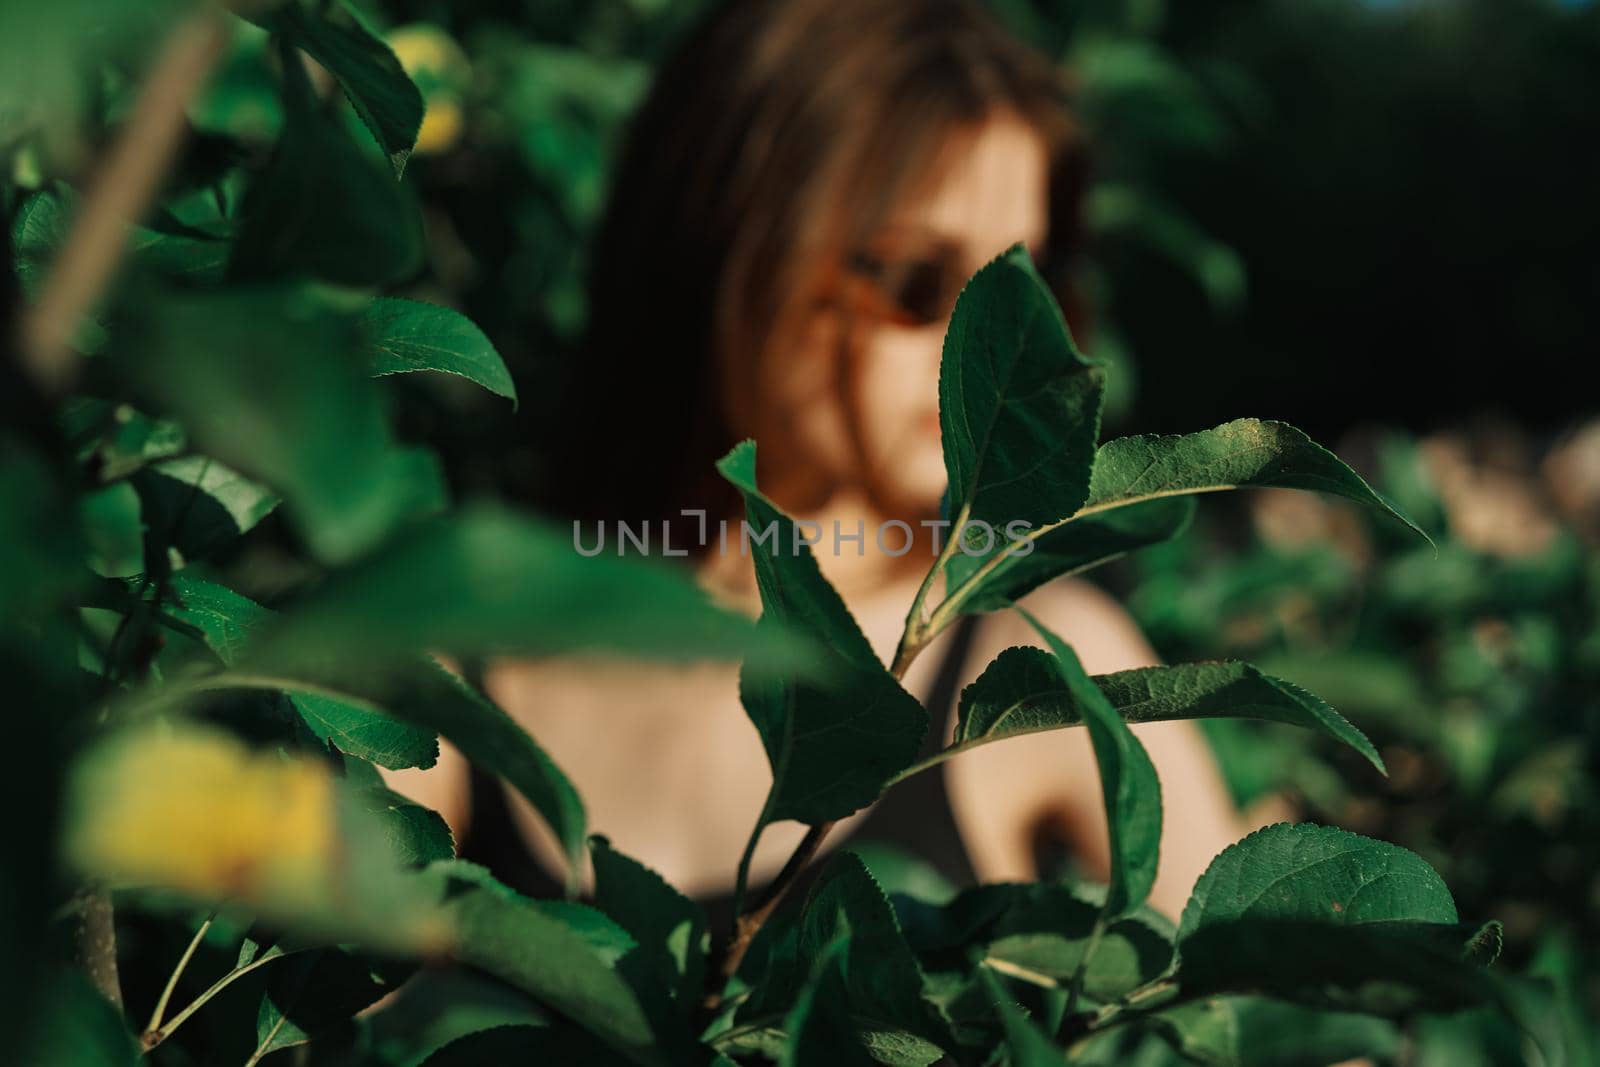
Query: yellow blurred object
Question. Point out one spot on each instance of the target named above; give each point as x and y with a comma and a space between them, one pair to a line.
194, 810
441, 70
441, 126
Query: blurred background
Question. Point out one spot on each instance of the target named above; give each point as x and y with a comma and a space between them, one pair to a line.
1377, 221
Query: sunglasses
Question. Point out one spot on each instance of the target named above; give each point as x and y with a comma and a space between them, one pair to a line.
911, 291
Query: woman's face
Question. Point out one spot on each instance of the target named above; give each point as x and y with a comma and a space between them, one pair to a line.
895, 304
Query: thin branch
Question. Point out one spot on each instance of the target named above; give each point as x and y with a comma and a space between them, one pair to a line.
177, 973
123, 187
153, 1037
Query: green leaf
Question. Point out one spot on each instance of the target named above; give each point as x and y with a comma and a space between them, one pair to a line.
832, 744
1024, 691
389, 103
114, 440
1019, 407
321, 206
669, 927
79, 1028
418, 835
524, 1044
1329, 918
1255, 1032
410, 335
818, 1028
1128, 783
538, 950
881, 980
314, 991
1026, 1044
1316, 873
225, 622
270, 382
1041, 933
484, 581
1246, 452
1068, 549
196, 504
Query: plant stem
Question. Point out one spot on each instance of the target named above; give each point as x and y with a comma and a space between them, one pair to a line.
177, 973
153, 1037
913, 639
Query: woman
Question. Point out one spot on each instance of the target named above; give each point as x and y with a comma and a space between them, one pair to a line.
796, 209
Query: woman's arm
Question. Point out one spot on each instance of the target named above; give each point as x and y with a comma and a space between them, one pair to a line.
1013, 796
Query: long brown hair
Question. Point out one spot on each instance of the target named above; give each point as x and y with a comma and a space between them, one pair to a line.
777, 138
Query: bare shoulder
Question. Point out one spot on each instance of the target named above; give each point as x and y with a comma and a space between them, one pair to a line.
1098, 628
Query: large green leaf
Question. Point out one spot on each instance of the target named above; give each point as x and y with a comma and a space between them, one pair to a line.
1024, 691
1245, 452
1068, 549
367, 69
270, 381
410, 335
669, 927
322, 207
563, 956
834, 743
485, 581
1019, 407
1327, 917
1128, 783
225, 621
1316, 873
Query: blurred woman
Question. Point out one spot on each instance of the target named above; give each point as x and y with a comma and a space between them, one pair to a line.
796, 208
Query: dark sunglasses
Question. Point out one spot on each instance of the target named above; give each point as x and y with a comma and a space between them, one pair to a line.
914, 291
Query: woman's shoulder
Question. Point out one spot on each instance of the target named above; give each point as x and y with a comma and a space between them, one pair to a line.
1099, 629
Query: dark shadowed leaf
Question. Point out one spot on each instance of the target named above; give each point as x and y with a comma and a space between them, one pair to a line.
1128, 783
1026, 1044
832, 744
322, 207
669, 927
367, 70
1256, 1032
196, 504
540, 950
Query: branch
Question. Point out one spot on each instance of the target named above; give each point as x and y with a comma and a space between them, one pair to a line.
121, 190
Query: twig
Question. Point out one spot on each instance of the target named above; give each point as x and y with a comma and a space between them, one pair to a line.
126, 182
154, 1036
177, 973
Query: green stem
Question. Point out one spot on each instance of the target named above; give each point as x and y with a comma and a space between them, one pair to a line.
177, 973
153, 1037
1075, 987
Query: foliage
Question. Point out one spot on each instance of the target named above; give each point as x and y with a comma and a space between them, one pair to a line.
226, 572
1474, 670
